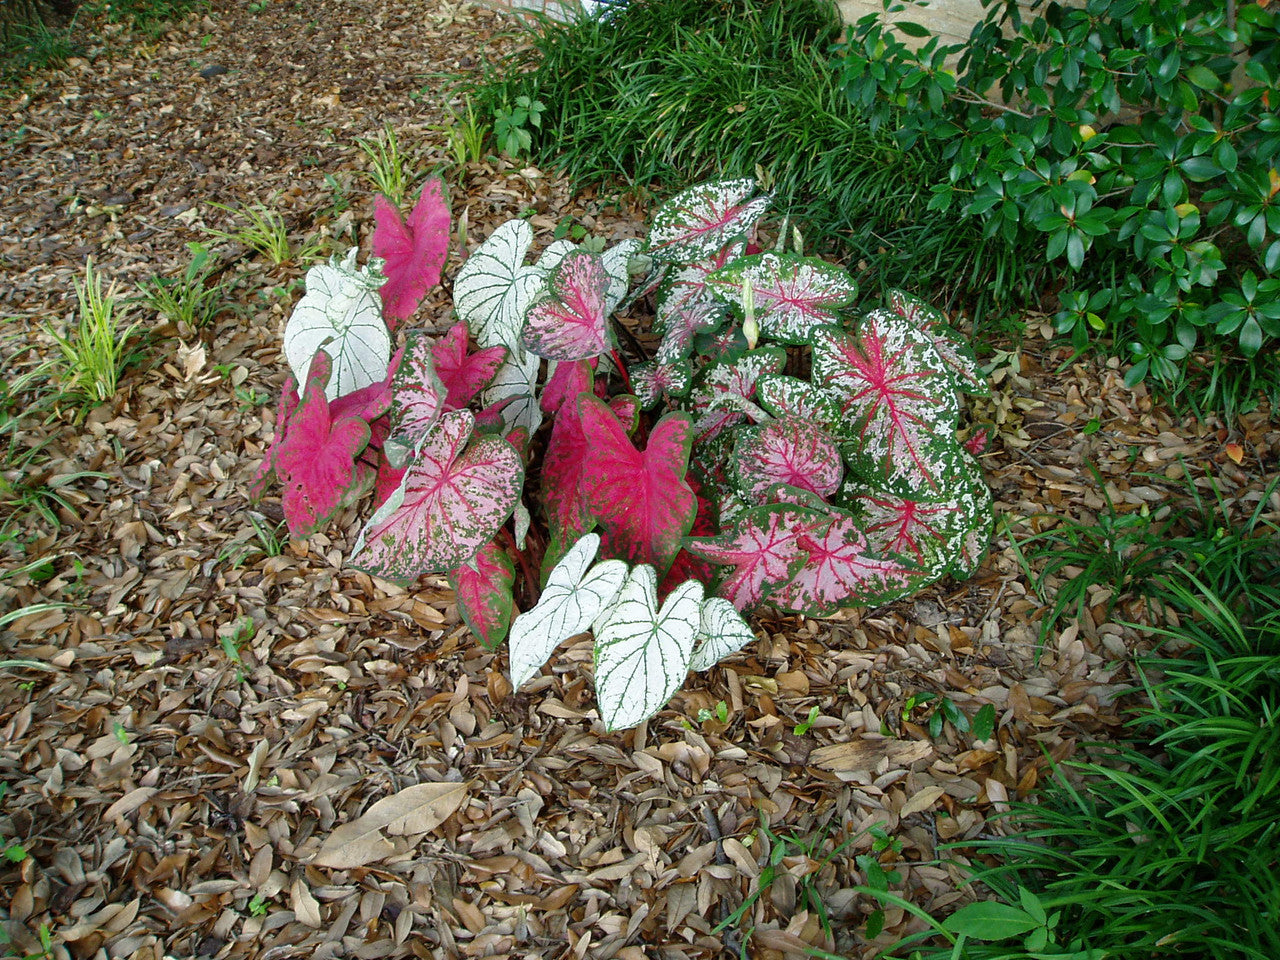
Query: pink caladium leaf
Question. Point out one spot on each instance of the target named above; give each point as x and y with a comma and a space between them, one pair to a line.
763, 548
413, 251
463, 374
894, 394
483, 591
683, 326
793, 295
266, 471
725, 384
452, 500
641, 498
653, 381
417, 399
569, 321
798, 453
697, 222
566, 382
317, 459
842, 571
685, 304
955, 352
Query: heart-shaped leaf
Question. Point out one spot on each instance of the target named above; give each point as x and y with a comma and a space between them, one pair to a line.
653, 381
892, 389
341, 312
514, 389
785, 396
955, 352
569, 320
413, 253
463, 374
699, 221
722, 631
451, 502
483, 592
494, 288
643, 502
576, 593
763, 548
790, 451
792, 294
642, 652
725, 384
417, 399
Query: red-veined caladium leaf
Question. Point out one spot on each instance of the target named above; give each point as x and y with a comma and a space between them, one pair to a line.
463, 374
452, 500
697, 222
789, 451
417, 399
413, 252
341, 312
683, 327
653, 381
316, 460
763, 548
642, 652
569, 321
785, 396
494, 288
483, 591
685, 305
617, 262
641, 498
841, 571
575, 595
722, 631
955, 352
793, 295
895, 395
724, 384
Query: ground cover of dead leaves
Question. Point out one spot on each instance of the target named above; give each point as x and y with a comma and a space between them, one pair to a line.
366, 783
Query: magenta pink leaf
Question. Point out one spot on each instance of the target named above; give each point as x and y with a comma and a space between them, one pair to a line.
483, 592
697, 222
795, 452
452, 500
793, 295
414, 252
641, 498
841, 571
316, 460
569, 320
566, 382
764, 549
464, 374
898, 401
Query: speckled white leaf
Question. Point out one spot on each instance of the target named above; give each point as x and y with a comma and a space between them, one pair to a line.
517, 382
573, 597
494, 288
723, 631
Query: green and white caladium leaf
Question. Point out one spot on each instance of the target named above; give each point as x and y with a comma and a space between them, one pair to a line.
341, 312
450, 502
955, 351
515, 386
699, 221
785, 396
494, 288
792, 294
417, 397
723, 631
617, 260
718, 397
643, 652
575, 595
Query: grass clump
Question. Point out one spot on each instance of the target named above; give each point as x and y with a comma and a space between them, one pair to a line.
667, 92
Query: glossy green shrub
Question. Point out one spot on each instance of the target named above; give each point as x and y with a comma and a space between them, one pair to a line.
1130, 144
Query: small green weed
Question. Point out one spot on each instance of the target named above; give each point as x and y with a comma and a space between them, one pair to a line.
511, 125
266, 232
390, 169
44, 951
720, 714
234, 641
268, 540
945, 711
466, 137
188, 298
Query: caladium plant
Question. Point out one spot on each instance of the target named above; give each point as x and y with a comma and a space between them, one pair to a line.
776, 449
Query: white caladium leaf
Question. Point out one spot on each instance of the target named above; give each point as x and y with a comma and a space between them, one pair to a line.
341, 312
553, 254
643, 653
575, 595
569, 320
494, 288
792, 295
791, 451
515, 385
450, 503
617, 260
956, 353
722, 631
697, 222
894, 393
417, 396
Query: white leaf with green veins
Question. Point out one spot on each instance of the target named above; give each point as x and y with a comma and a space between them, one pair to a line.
342, 312
516, 381
571, 600
643, 653
494, 288
723, 631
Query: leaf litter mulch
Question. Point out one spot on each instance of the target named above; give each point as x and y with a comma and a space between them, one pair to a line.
237, 751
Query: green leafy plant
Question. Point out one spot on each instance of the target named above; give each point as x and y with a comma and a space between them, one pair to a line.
266, 232
945, 711
233, 641
465, 137
511, 125
188, 298
843, 486
97, 352
1132, 145
390, 169
720, 714
37, 46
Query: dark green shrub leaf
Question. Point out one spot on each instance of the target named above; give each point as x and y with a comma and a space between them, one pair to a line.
990, 921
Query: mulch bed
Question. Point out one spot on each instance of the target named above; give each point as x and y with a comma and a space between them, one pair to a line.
172, 802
